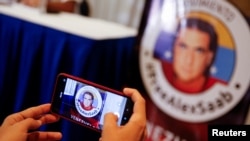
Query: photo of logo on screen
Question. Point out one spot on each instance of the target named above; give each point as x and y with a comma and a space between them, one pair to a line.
88, 101
87, 104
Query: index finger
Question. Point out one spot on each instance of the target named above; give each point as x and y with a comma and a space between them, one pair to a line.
33, 112
36, 111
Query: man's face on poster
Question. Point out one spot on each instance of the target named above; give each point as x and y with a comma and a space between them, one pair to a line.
191, 55
87, 100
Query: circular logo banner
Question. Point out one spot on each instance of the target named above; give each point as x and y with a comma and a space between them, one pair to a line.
194, 58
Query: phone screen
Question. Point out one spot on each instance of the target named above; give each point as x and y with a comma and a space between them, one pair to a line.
86, 103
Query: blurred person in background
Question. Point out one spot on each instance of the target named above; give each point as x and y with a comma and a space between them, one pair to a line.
55, 6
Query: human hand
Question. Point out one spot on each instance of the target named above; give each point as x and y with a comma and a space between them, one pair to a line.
135, 129
20, 126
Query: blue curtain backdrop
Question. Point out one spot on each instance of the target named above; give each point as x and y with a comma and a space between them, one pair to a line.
32, 55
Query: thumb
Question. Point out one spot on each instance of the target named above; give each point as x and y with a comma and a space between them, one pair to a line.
110, 122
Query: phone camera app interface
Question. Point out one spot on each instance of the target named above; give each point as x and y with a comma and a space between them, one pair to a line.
87, 104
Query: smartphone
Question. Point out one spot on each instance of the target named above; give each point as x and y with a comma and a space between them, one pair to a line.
85, 103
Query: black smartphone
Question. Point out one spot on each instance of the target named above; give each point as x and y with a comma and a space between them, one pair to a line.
85, 103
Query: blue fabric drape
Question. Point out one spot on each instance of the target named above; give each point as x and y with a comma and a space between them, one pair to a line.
32, 55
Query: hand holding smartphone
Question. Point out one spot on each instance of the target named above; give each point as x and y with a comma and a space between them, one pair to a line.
85, 103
